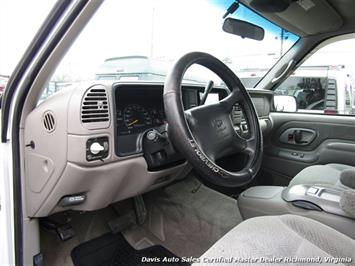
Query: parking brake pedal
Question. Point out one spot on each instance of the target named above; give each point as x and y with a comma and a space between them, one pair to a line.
65, 231
141, 211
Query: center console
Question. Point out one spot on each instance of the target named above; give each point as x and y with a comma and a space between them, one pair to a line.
316, 197
321, 203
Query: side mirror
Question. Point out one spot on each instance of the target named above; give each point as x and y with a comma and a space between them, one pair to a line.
285, 103
243, 29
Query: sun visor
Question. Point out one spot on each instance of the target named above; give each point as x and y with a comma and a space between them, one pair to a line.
304, 17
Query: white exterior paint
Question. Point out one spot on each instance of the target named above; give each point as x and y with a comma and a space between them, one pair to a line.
7, 252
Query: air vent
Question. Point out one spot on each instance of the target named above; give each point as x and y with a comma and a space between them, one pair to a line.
49, 121
94, 107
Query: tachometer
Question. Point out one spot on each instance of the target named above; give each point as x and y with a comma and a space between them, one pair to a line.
136, 116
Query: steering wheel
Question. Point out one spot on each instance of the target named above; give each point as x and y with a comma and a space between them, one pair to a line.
205, 133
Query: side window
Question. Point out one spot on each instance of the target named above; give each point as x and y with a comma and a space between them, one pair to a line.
324, 83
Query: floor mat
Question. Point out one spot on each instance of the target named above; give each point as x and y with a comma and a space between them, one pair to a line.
113, 249
187, 218
87, 226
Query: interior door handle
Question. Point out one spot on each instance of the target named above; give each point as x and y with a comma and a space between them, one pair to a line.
298, 136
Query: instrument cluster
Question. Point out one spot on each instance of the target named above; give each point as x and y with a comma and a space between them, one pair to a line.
139, 108
137, 117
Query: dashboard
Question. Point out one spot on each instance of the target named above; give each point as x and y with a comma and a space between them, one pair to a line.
89, 146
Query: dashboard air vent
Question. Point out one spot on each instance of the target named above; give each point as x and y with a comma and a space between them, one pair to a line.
94, 107
49, 121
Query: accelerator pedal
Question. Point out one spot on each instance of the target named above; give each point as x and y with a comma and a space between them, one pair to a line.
141, 210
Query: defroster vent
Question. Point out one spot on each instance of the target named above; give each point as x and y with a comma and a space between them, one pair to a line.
94, 107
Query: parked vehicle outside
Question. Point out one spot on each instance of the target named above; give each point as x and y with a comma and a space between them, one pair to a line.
251, 76
131, 68
320, 89
138, 67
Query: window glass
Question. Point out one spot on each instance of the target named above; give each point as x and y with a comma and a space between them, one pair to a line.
324, 83
126, 43
19, 22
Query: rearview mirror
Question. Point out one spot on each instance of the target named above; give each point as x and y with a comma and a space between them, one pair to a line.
285, 103
243, 29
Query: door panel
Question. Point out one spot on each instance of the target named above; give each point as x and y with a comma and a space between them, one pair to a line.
324, 139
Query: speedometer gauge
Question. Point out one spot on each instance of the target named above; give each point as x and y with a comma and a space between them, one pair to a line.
136, 116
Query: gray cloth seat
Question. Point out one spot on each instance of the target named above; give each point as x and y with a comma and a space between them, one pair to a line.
328, 174
281, 237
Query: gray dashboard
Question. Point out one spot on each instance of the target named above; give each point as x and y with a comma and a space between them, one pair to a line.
78, 137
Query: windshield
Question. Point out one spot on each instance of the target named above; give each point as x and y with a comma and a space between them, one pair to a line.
140, 40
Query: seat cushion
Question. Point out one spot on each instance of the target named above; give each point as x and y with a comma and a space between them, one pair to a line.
328, 174
281, 237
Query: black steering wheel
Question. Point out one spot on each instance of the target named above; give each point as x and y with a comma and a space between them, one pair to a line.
205, 133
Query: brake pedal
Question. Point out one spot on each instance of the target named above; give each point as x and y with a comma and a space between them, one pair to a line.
141, 210
65, 231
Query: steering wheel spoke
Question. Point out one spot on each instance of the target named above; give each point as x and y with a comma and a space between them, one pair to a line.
233, 98
241, 145
249, 146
